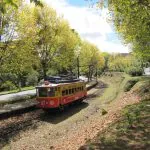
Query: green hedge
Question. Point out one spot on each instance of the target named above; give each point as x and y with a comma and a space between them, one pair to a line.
134, 71
130, 84
7, 86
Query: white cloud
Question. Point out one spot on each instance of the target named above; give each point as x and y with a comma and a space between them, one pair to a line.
89, 24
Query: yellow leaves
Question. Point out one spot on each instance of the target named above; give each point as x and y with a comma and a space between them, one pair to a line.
91, 55
131, 20
26, 23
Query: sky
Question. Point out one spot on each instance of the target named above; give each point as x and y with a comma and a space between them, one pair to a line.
91, 24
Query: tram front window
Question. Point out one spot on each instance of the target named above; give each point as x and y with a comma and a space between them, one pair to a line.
45, 92
51, 92
42, 92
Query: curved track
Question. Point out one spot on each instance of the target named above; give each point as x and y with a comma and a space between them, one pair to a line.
32, 118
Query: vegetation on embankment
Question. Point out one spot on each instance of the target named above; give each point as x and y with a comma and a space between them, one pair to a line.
131, 132
129, 126
119, 82
113, 82
116, 82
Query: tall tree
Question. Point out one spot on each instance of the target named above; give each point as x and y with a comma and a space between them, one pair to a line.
131, 19
90, 59
20, 54
66, 59
7, 32
56, 40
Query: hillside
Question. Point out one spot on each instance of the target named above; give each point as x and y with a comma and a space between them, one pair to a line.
126, 125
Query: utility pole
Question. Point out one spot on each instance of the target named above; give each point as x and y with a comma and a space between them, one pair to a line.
0, 26
96, 74
89, 73
78, 66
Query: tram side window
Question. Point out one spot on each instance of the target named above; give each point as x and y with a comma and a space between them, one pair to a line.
81, 89
66, 92
73, 90
51, 92
63, 93
70, 91
78, 89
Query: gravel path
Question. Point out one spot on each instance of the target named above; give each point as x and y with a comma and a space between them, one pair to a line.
12, 96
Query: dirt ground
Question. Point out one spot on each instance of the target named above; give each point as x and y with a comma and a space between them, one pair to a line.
131, 132
72, 128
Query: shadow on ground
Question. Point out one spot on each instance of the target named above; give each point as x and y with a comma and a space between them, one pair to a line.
12, 130
56, 116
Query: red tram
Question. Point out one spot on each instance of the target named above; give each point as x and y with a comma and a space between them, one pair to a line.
56, 95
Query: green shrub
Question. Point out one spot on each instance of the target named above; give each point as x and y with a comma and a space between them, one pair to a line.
7, 86
130, 84
134, 71
52, 72
32, 78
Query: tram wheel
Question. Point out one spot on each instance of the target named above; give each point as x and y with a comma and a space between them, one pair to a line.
46, 110
61, 108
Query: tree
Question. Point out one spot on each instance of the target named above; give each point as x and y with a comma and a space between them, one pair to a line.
129, 64
106, 57
7, 4
7, 34
90, 59
14, 3
56, 40
20, 54
66, 59
131, 19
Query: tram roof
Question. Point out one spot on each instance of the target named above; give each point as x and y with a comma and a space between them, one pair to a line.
57, 84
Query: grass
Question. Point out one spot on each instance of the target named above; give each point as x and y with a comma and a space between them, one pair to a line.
133, 133
17, 90
118, 82
114, 88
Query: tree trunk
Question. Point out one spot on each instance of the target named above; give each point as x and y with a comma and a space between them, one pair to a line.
44, 69
19, 83
44, 73
89, 74
0, 27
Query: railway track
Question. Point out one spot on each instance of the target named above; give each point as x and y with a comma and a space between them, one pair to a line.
32, 118
28, 108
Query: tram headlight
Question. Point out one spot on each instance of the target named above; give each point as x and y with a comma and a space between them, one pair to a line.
51, 102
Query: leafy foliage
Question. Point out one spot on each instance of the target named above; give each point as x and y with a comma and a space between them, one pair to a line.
134, 71
130, 84
8, 85
90, 59
36, 42
32, 78
56, 42
129, 64
131, 19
